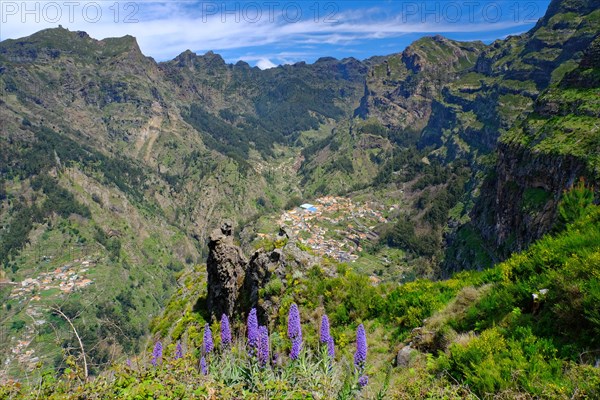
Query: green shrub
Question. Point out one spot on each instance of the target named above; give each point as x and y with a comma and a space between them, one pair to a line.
574, 203
273, 288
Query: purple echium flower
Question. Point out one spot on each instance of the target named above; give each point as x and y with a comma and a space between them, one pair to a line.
331, 347
225, 331
294, 328
157, 353
203, 367
263, 346
325, 334
295, 331
360, 357
252, 326
363, 381
296, 348
178, 351
208, 340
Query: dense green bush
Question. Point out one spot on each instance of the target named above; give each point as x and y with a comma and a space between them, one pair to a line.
574, 203
539, 318
372, 126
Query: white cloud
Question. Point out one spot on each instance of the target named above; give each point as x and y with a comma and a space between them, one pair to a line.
165, 29
265, 63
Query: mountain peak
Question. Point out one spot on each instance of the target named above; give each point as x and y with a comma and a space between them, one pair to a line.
54, 42
213, 57
121, 44
581, 7
190, 59
323, 60
54, 36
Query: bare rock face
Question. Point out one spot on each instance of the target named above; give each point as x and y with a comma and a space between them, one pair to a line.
263, 266
234, 282
226, 267
261, 269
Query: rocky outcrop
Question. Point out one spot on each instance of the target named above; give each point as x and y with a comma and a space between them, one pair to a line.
405, 356
226, 267
235, 283
263, 266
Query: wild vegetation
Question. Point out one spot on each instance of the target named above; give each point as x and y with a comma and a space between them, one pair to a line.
527, 327
128, 169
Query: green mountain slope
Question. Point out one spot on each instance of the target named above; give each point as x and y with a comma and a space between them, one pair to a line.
539, 158
526, 328
120, 166
508, 76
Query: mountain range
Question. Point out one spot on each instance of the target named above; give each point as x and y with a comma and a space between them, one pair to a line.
118, 167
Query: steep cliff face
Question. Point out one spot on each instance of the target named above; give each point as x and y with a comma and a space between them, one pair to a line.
558, 143
487, 100
519, 201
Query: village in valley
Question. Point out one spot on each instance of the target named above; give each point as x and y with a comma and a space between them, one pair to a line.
31, 292
333, 226
67, 278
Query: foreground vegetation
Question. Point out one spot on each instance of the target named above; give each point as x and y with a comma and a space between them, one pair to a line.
130, 168
527, 328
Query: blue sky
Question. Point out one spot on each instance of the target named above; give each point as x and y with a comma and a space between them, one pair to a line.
268, 33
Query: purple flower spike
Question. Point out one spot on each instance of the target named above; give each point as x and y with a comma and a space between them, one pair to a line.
363, 381
296, 348
208, 340
295, 331
294, 328
360, 357
331, 347
325, 334
263, 346
225, 331
252, 331
203, 367
178, 351
157, 353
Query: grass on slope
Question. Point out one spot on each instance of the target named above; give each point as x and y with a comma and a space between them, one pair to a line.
480, 334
